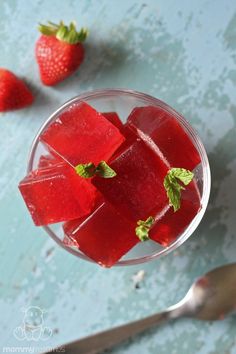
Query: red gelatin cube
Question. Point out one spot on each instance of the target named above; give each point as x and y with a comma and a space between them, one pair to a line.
172, 224
47, 161
114, 119
82, 135
71, 225
105, 236
57, 194
158, 125
130, 138
137, 190
85, 192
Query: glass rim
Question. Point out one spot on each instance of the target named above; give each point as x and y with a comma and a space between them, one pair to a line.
101, 93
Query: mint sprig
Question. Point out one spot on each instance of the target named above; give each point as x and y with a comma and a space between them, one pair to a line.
173, 187
142, 230
88, 170
85, 170
104, 170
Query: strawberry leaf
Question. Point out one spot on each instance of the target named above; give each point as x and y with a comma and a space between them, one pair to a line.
64, 33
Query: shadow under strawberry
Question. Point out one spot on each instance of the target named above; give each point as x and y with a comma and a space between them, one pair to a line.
44, 101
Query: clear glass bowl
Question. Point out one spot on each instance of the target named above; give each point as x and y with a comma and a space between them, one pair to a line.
123, 102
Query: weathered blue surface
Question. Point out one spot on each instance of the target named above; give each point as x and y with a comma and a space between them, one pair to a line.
182, 52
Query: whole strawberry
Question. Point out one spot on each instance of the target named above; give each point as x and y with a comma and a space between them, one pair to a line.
14, 94
59, 51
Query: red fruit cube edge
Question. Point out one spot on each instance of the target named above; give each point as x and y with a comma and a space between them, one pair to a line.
105, 236
160, 127
55, 194
81, 134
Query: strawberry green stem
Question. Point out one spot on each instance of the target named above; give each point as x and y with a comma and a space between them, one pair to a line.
64, 33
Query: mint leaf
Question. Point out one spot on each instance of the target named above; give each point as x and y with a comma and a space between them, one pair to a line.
173, 187
149, 222
183, 175
142, 230
88, 170
105, 171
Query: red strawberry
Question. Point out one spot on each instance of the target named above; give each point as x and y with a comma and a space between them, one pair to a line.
14, 94
59, 51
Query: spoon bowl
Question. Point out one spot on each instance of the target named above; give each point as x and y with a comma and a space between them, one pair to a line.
218, 289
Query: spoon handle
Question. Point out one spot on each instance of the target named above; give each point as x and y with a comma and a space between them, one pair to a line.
98, 342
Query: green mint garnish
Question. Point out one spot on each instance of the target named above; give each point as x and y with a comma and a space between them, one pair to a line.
173, 187
88, 170
142, 230
105, 171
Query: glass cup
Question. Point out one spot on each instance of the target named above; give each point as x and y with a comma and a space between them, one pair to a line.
123, 102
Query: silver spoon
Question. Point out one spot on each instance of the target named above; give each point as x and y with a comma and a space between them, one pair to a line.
210, 298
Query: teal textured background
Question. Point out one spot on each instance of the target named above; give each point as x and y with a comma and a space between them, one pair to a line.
181, 52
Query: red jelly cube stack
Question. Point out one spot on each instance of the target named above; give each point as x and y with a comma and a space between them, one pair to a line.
70, 139
101, 214
158, 126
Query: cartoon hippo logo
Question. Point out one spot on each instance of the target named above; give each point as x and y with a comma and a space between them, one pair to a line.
32, 327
